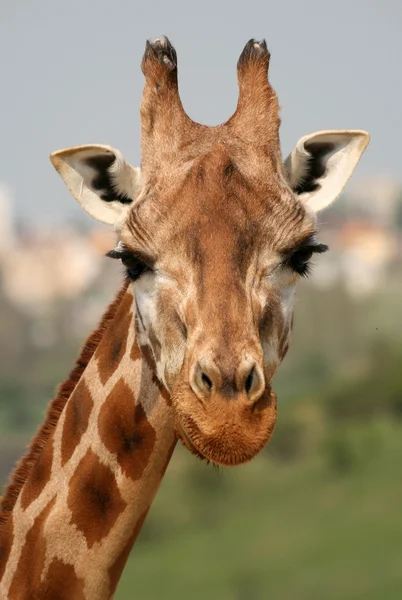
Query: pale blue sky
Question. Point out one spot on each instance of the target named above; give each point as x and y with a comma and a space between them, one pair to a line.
71, 75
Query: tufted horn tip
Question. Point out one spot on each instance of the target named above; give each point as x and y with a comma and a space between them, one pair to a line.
255, 53
159, 56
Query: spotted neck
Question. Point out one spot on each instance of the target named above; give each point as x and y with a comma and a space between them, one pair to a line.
87, 492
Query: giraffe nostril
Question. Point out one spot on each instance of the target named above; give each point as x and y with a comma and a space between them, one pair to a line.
249, 381
253, 381
206, 380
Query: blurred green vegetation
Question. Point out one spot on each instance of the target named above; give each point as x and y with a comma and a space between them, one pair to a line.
317, 515
325, 525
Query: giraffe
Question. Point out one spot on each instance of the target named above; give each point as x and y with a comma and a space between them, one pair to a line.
214, 231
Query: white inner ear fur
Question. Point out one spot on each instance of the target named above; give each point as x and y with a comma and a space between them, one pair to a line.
79, 176
345, 149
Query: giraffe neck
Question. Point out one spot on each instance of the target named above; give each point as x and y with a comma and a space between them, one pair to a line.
68, 529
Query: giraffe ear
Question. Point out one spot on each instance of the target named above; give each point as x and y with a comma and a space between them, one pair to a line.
321, 164
100, 179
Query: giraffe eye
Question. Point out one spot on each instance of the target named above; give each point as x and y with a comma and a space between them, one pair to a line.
298, 260
134, 267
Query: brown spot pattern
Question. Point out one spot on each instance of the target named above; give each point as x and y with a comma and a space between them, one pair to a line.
114, 342
5, 544
135, 353
26, 582
39, 475
94, 499
61, 583
78, 410
125, 430
56, 407
116, 569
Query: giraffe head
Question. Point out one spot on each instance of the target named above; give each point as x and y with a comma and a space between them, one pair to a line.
215, 231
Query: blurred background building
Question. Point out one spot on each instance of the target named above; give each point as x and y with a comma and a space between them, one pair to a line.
318, 514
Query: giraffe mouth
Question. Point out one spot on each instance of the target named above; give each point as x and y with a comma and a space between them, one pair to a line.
222, 435
186, 441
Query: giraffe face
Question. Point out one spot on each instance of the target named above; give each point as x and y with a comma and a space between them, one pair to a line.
214, 233
214, 289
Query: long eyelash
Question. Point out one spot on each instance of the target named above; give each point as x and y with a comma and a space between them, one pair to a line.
131, 272
315, 248
319, 248
119, 253
306, 270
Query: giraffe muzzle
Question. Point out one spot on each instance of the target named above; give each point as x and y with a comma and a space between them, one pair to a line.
224, 430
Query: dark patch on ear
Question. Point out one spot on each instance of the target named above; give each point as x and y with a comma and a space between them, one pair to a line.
103, 180
315, 167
